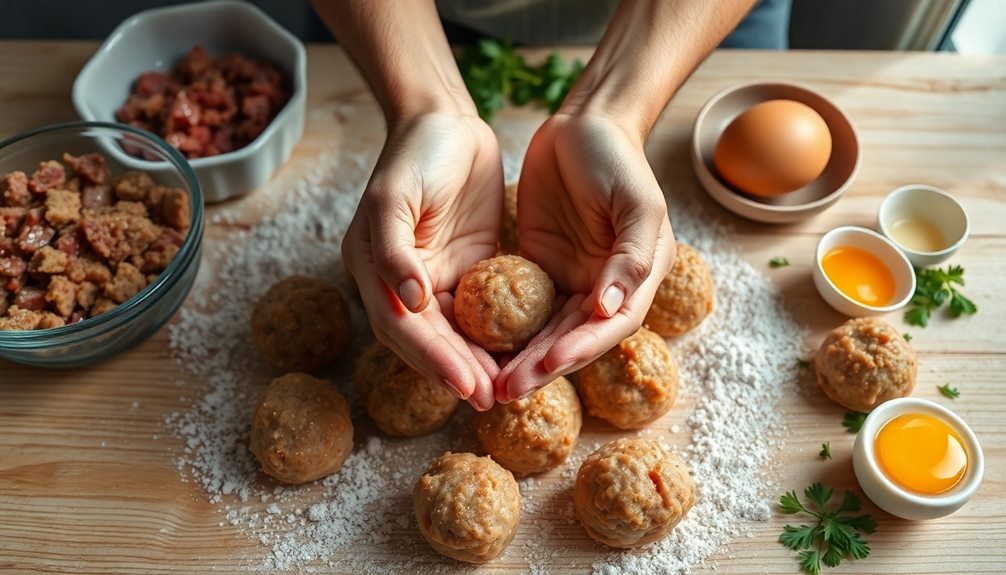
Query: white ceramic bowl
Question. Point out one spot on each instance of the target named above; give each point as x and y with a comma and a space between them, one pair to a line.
794, 206
929, 204
876, 244
156, 39
896, 500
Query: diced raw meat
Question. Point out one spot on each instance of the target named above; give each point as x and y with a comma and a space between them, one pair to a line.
14, 189
92, 168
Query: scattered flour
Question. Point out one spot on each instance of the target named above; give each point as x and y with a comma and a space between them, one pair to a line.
734, 368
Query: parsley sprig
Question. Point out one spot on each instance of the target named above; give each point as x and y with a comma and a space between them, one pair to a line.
933, 288
825, 452
835, 537
949, 392
853, 421
778, 262
494, 73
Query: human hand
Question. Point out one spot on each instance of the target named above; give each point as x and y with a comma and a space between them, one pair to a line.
591, 214
431, 210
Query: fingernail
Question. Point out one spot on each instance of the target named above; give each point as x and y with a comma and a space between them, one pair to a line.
612, 299
411, 293
562, 368
455, 390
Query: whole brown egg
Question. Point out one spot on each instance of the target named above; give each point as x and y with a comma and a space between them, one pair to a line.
773, 148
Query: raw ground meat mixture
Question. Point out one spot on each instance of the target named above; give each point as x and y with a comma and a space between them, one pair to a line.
75, 243
207, 106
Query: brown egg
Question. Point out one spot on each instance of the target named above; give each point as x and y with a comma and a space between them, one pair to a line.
773, 148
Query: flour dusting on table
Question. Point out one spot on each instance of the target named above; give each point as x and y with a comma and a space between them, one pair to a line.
734, 367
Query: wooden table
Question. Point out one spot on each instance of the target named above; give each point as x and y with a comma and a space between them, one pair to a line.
88, 482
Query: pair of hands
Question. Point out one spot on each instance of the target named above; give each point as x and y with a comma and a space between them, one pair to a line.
590, 213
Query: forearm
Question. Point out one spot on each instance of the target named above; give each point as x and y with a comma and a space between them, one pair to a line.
402, 52
648, 51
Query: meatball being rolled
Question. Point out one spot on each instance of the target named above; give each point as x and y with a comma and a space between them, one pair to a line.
503, 302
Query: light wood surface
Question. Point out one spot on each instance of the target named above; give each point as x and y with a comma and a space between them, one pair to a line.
88, 482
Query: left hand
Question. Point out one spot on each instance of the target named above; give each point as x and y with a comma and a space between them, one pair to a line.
592, 215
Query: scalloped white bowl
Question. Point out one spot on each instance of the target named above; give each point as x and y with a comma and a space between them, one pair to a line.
156, 39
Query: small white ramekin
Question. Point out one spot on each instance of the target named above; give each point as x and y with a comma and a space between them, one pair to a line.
932, 205
156, 39
896, 500
876, 244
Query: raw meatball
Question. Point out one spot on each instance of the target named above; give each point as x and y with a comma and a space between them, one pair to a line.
631, 492
301, 429
508, 231
684, 298
400, 400
467, 507
633, 383
864, 362
502, 302
301, 324
533, 434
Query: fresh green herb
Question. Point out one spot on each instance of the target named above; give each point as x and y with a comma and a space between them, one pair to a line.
907, 336
947, 391
494, 73
933, 288
825, 450
853, 421
835, 537
802, 364
778, 262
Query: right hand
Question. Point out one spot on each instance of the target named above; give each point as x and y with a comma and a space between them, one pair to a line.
432, 208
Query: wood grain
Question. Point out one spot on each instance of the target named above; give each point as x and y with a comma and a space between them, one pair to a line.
88, 482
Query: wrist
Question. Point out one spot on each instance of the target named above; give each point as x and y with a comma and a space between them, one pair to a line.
406, 105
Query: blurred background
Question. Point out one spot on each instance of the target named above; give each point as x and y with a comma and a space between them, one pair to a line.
966, 26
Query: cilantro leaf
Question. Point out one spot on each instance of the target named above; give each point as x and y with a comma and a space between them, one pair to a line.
850, 503
935, 287
853, 421
818, 493
494, 73
907, 336
833, 556
789, 503
835, 536
778, 262
797, 538
960, 305
825, 450
917, 316
949, 392
810, 561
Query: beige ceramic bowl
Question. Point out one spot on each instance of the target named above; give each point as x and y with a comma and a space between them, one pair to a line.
816, 196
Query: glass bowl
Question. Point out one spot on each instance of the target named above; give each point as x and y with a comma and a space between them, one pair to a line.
98, 338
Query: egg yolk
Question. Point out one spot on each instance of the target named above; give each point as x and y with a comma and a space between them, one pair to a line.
860, 275
921, 453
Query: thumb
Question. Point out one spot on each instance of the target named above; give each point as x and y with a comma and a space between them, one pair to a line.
393, 247
631, 261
